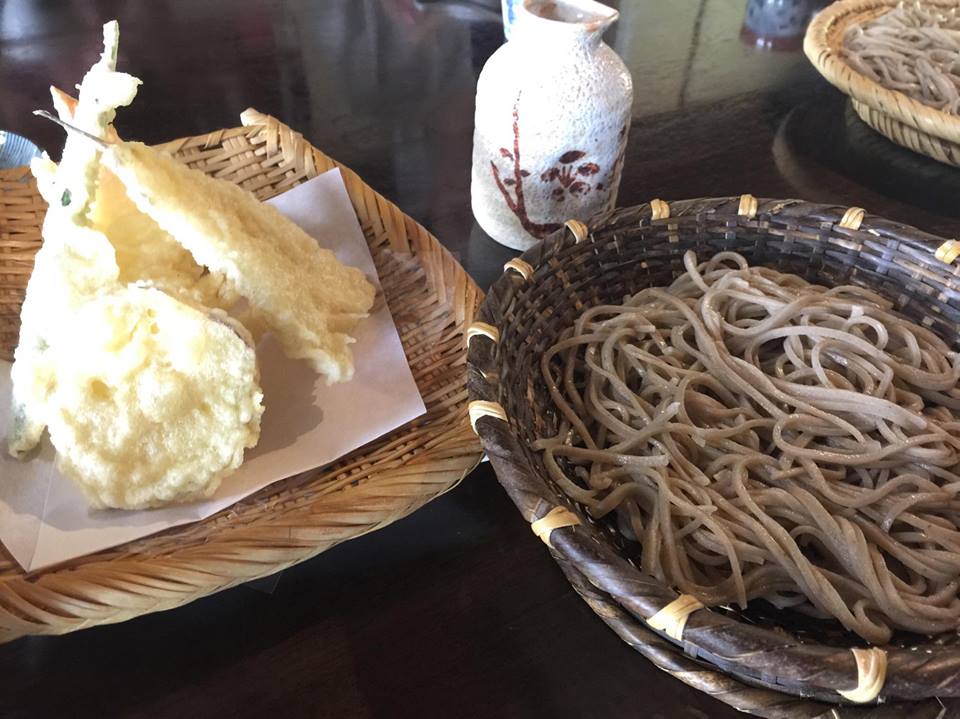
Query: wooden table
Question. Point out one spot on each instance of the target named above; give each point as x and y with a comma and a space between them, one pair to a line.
458, 610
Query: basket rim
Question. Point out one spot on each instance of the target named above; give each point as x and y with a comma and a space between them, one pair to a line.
296, 517
830, 23
759, 700
828, 669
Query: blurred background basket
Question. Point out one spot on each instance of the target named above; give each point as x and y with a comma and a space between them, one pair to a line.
432, 301
745, 658
893, 114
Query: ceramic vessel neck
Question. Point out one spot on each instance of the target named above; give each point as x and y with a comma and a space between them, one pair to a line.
563, 25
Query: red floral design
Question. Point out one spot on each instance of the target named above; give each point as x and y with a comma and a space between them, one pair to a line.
571, 179
515, 201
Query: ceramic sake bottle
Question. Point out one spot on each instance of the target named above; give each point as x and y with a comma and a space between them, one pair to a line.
552, 116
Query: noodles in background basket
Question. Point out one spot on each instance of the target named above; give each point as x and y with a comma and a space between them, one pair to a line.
763, 437
914, 49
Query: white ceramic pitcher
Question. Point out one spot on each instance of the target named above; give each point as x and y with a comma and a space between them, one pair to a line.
552, 117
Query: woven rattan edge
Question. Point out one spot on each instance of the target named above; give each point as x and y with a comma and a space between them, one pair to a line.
820, 47
757, 698
811, 670
217, 553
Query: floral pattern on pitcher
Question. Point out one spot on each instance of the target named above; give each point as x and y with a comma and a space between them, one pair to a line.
515, 200
570, 177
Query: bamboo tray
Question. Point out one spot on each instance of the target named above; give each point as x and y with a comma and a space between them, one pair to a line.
775, 663
432, 300
893, 114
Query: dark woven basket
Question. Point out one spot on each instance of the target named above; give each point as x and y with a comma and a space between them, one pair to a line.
750, 659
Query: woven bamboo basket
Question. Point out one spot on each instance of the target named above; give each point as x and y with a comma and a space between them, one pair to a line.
747, 658
432, 301
893, 114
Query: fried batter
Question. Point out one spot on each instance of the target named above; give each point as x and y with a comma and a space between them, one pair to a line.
156, 400
301, 291
75, 260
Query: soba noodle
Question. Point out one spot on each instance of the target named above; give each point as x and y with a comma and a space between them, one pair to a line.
764, 437
914, 49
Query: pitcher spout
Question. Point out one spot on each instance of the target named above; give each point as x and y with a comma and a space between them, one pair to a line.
586, 19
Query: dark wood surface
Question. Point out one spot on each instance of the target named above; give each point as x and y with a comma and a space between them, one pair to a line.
457, 610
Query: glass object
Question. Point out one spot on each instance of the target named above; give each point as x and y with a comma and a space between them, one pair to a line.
777, 24
16, 150
509, 15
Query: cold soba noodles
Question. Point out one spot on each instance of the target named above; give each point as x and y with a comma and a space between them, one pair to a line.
914, 49
762, 437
